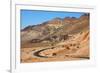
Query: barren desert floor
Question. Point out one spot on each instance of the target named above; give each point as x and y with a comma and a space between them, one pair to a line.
75, 48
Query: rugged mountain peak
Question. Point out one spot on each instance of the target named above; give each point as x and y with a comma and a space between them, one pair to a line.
56, 22
70, 20
27, 28
57, 18
85, 16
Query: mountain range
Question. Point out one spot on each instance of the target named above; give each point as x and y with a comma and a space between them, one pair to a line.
55, 30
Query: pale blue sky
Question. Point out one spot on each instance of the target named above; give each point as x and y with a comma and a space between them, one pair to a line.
35, 17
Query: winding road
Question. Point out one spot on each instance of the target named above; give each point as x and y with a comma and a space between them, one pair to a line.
37, 53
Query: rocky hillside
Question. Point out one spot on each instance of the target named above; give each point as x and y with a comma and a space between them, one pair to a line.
55, 30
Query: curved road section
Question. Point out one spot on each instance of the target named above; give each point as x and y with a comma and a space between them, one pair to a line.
37, 53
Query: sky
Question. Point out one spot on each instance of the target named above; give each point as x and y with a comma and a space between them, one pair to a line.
35, 17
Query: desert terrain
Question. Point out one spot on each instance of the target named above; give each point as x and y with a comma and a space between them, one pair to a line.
56, 40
